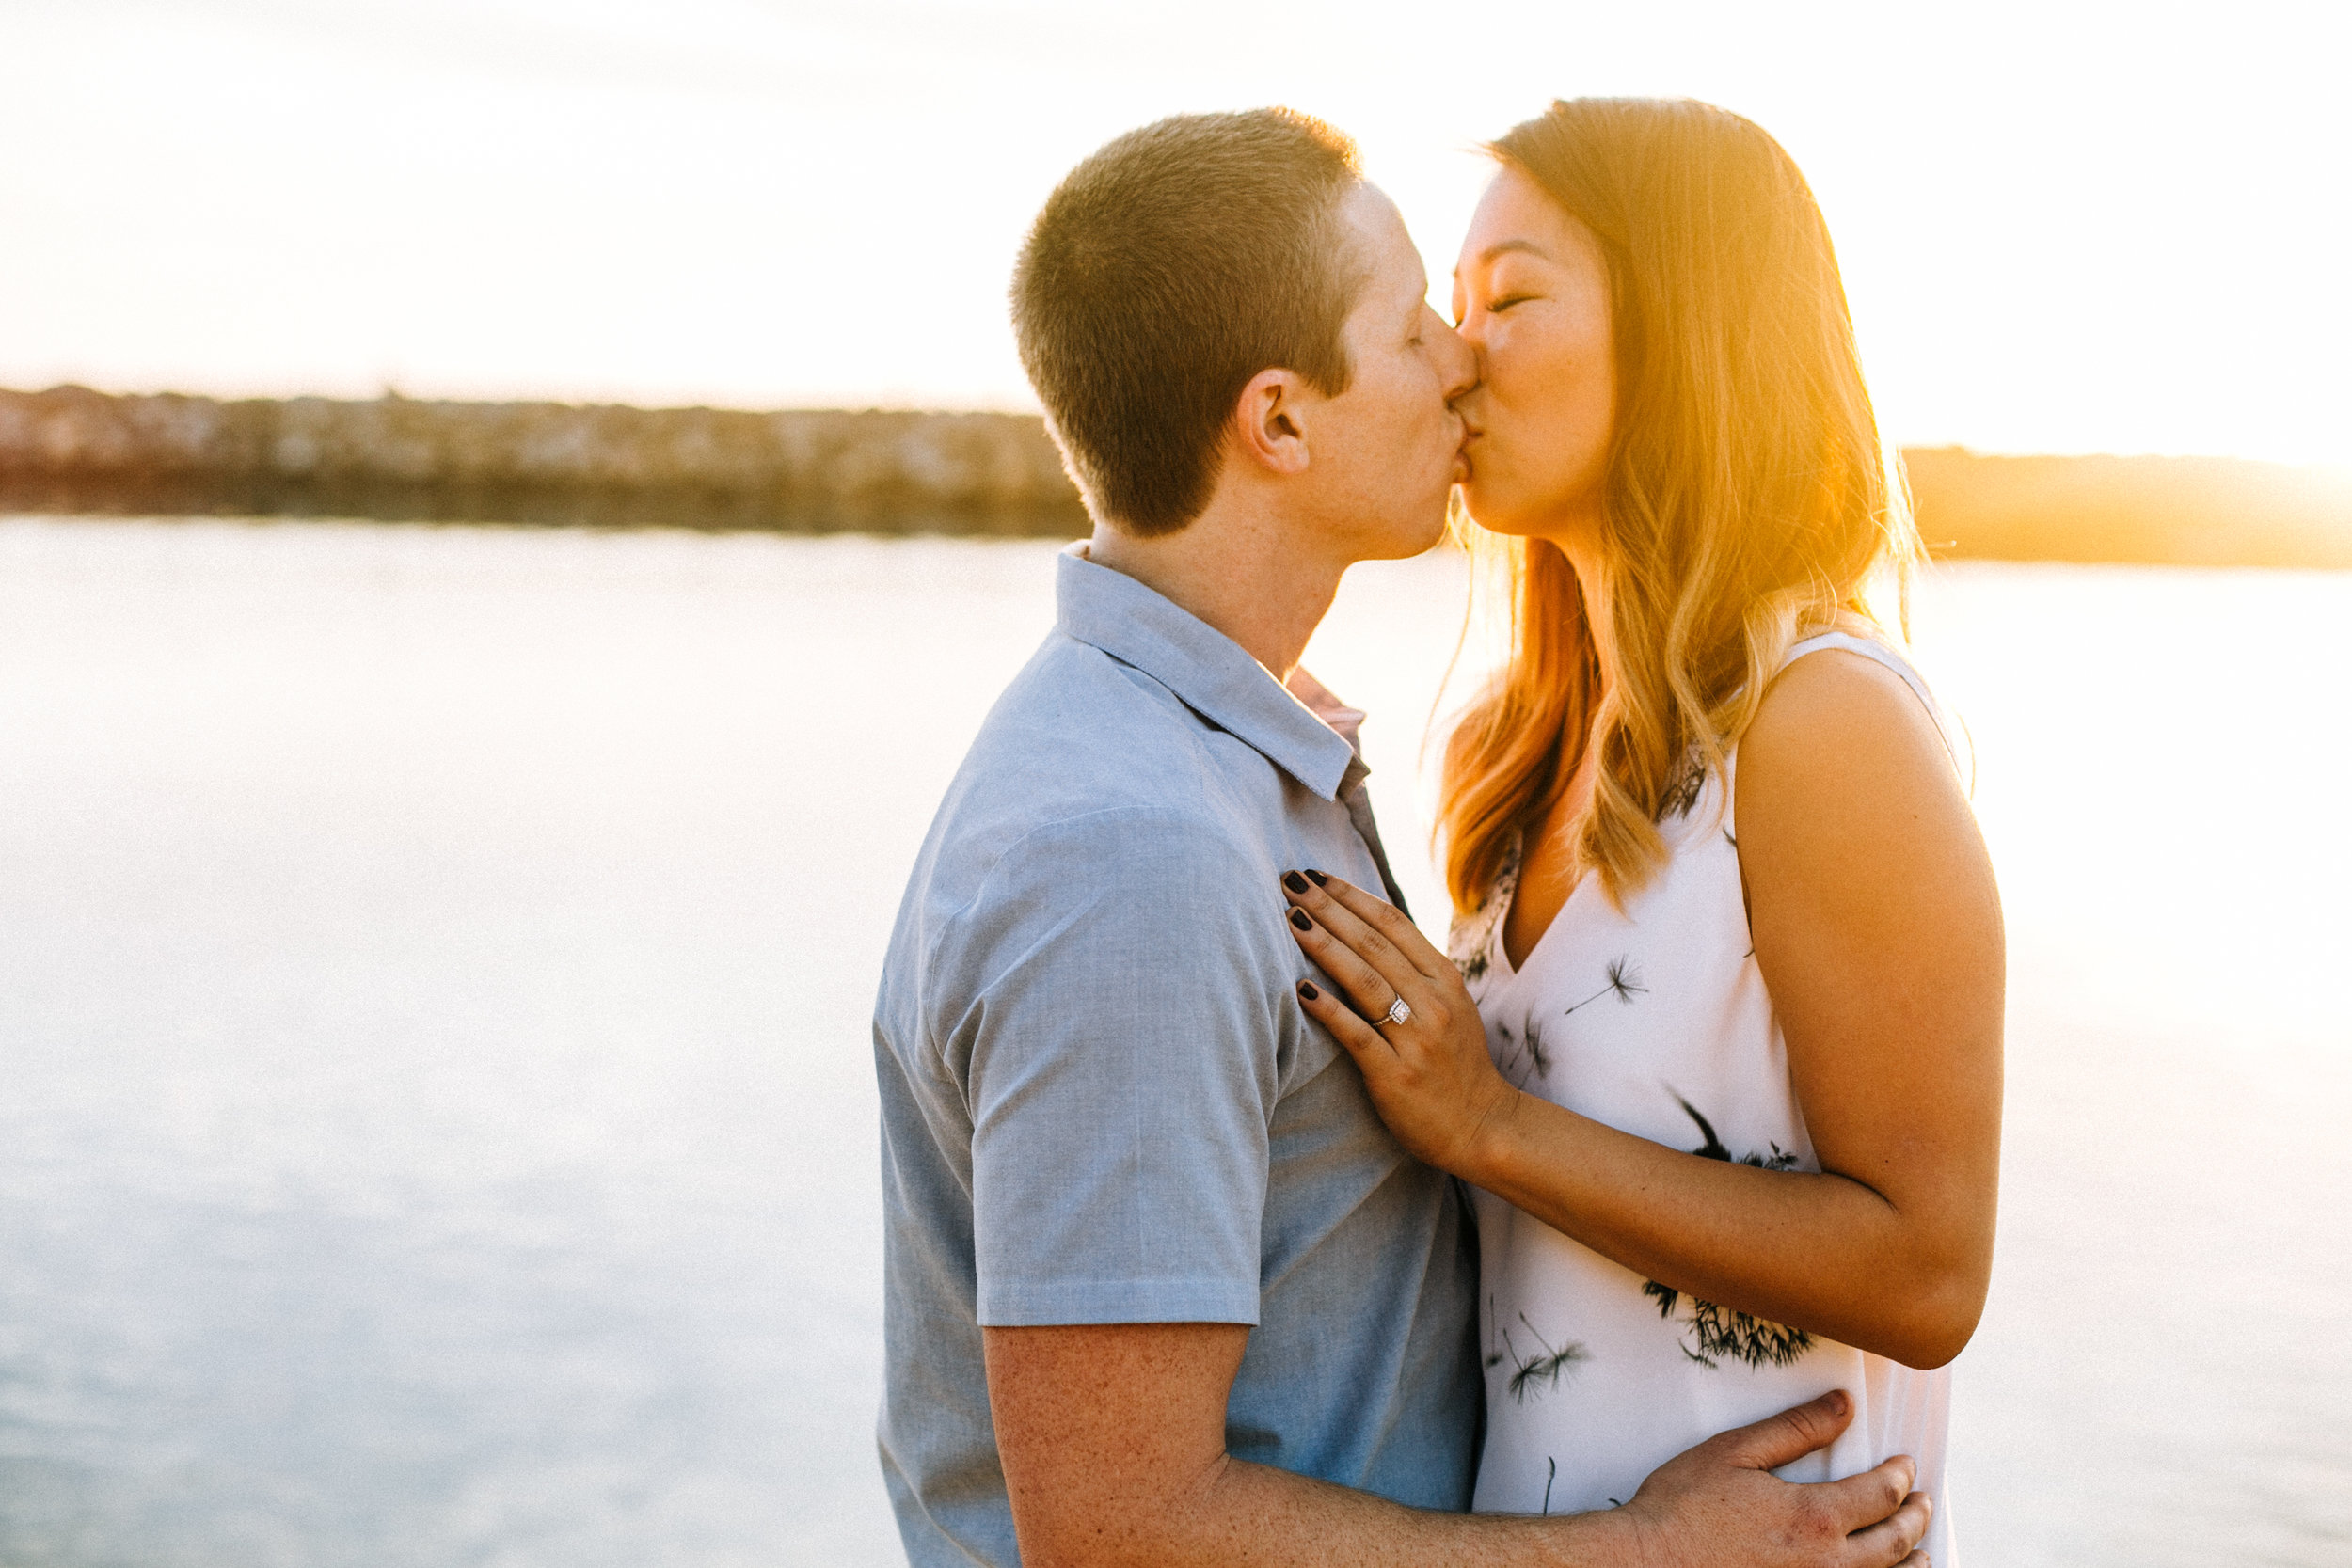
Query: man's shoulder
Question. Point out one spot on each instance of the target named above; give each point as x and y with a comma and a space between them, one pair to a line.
1077, 741
1061, 894
1086, 776
1074, 697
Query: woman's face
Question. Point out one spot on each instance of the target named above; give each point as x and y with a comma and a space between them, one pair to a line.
1531, 296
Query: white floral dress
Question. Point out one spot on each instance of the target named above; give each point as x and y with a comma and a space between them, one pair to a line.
1655, 1020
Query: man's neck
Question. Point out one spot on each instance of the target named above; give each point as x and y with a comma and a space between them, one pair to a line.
1240, 571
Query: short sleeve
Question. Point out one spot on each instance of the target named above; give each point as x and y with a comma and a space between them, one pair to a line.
1122, 1009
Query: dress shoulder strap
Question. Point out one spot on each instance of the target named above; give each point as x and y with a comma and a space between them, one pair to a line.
1870, 648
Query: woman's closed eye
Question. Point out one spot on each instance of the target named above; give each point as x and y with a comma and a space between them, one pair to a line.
1496, 306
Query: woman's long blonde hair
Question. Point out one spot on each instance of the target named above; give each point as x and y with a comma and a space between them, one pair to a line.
1747, 493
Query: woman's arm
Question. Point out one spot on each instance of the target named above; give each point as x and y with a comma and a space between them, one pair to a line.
1878, 930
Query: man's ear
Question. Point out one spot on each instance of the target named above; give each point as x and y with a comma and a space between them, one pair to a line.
1270, 421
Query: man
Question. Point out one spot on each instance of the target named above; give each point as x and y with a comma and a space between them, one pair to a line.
1161, 1287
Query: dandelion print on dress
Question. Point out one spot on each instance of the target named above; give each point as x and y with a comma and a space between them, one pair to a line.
1720, 1333
1684, 792
1624, 983
1471, 942
1532, 1373
1683, 1006
1519, 1054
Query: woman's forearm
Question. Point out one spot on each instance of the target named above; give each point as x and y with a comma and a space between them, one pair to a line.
1817, 1251
1887, 1249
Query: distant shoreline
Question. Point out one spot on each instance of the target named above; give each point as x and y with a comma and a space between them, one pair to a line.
70, 449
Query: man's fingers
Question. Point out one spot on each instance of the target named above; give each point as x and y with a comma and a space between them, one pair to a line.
1790, 1436
1859, 1503
1385, 918
1894, 1540
1337, 1016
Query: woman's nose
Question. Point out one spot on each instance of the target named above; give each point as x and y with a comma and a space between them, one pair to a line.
1473, 331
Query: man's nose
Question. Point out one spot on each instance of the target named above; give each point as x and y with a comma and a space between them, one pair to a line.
1461, 364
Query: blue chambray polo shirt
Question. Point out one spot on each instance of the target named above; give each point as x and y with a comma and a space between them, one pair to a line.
1101, 1101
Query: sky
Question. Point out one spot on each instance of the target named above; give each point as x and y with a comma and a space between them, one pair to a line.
2064, 227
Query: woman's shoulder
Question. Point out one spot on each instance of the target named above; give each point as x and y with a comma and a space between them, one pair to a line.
1846, 764
1845, 701
1855, 656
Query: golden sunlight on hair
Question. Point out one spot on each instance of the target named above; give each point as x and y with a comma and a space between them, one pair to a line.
1746, 500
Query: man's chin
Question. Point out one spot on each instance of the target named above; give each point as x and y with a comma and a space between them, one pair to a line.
1418, 538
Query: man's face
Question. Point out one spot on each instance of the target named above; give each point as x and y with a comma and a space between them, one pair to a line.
1385, 453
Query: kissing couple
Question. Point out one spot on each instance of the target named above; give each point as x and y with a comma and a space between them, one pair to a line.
1228, 1220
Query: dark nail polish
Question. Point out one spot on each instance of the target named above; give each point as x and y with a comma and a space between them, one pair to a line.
1309, 992
1318, 878
1293, 881
1298, 918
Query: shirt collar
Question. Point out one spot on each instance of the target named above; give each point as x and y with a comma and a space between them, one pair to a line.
1207, 670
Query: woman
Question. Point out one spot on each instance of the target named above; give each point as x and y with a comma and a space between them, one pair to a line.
1722, 1052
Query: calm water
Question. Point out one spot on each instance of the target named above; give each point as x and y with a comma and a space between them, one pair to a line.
435, 1114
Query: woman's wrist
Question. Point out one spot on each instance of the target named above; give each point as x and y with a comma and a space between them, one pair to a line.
1493, 1145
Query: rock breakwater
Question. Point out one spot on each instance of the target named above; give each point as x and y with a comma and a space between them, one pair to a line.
2166, 511
73, 449
70, 449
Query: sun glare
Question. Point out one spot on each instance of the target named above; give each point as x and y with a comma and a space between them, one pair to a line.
2115, 241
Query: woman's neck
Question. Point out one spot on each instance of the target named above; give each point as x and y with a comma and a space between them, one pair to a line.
1583, 550
1551, 863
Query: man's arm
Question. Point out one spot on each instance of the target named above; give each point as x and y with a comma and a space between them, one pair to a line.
1113, 1443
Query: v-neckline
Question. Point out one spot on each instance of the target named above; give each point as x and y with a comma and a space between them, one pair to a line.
1503, 925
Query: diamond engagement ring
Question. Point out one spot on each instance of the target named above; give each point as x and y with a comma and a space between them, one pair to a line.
1398, 1012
